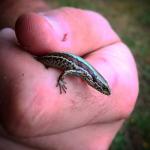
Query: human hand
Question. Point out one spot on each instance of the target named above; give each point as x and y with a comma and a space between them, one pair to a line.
33, 112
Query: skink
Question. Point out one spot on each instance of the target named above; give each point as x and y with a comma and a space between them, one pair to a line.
77, 66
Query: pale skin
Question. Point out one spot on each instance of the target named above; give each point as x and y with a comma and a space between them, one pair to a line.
32, 112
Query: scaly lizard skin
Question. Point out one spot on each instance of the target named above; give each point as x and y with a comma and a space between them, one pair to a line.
77, 66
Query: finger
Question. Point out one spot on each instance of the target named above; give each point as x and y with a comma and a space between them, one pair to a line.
66, 29
7, 36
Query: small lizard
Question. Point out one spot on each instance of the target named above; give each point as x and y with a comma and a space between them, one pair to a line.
77, 66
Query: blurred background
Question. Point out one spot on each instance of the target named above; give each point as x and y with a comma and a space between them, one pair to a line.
131, 20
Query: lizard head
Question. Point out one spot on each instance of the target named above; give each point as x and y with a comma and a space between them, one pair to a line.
101, 85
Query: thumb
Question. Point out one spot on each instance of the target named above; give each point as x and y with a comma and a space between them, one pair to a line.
64, 29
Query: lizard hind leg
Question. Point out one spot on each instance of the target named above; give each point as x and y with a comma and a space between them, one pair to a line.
62, 84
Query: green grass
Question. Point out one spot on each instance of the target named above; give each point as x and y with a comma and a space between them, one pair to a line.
131, 20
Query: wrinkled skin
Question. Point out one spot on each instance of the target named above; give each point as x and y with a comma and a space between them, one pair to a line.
33, 114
